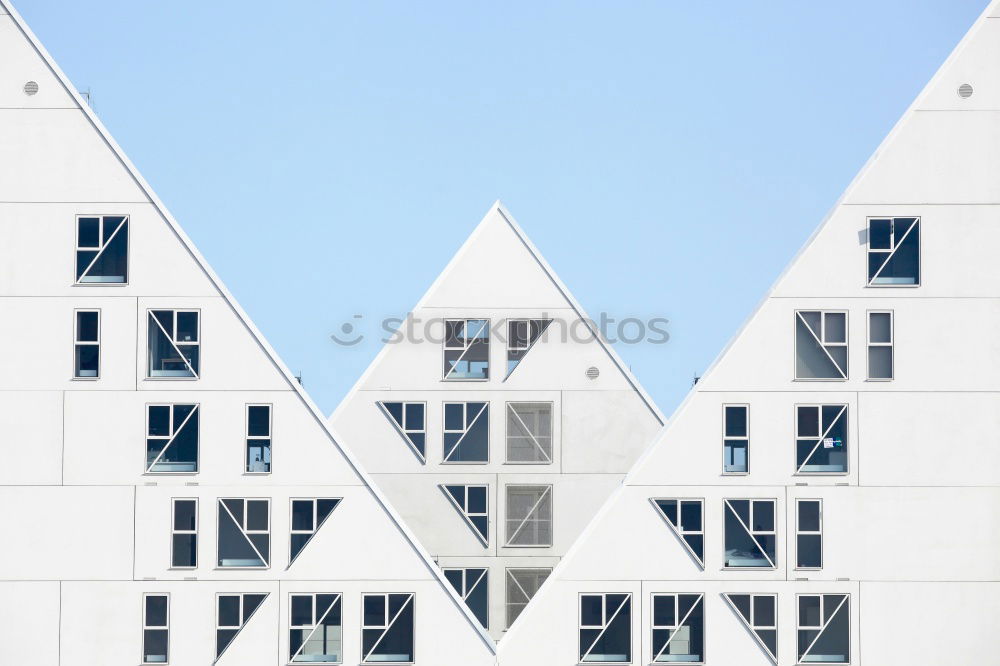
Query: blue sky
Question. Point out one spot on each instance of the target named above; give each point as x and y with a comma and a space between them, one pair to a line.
668, 158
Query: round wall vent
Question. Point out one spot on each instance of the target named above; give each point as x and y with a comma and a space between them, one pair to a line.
30, 88
965, 91
593, 373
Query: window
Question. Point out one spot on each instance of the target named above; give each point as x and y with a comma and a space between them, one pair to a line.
759, 612
244, 532
821, 439
409, 420
529, 432
184, 534
233, 611
522, 584
308, 515
473, 586
678, 628
387, 632
521, 337
808, 534
87, 344
467, 349
749, 534
473, 505
258, 439
529, 515
466, 432
171, 438
880, 337
606, 628
736, 439
894, 251
824, 629
820, 344
155, 628
316, 632
174, 343
102, 249
686, 519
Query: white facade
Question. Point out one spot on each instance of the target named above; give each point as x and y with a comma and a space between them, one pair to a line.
908, 494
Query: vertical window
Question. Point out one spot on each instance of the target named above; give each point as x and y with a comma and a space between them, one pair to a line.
606, 628
736, 439
522, 334
820, 439
820, 344
529, 432
258, 439
410, 421
466, 432
244, 533
184, 534
529, 515
171, 438
473, 586
473, 504
233, 611
880, 338
894, 251
808, 534
686, 520
87, 344
678, 628
824, 629
316, 633
308, 515
522, 584
155, 628
759, 613
467, 349
749, 533
174, 343
102, 249
387, 629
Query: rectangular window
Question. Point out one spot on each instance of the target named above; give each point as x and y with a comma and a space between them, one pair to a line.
244, 533
820, 439
750, 536
174, 343
522, 334
606, 628
233, 611
759, 613
258, 439
686, 518
155, 628
522, 584
820, 344
824, 629
880, 338
466, 432
172, 438
467, 349
529, 515
102, 249
529, 432
410, 421
87, 344
316, 632
184, 534
387, 629
308, 515
473, 586
678, 628
808, 534
736, 439
893, 251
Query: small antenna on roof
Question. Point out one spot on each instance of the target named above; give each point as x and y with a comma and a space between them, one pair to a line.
695, 378
298, 378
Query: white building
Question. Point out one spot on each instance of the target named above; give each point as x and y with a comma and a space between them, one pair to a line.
497, 422
828, 493
166, 482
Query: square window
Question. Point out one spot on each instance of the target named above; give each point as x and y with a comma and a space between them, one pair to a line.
893, 251
606, 628
529, 432
467, 349
174, 345
102, 249
387, 629
820, 344
529, 516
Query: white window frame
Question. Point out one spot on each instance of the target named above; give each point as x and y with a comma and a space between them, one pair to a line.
219, 626
823, 435
404, 430
387, 624
466, 347
507, 434
679, 623
464, 432
463, 508
845, 371
726, 439
317, 523
317, 623
753, 625
467, 589
152, 321
679, 530
726, 506
508, 535
100, 248
817, 532
174, 531
246, 532
892, 251
606, 620
258, 438
175, 429
154, 627
891, 345
510, 575
800, 627
512, 347
77, 343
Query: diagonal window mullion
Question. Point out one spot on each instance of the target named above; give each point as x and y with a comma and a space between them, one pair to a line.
825, 624
173, 435
170, 339
319, 623
468, 345
820, 343
895, 246
385, 631
243, 531
104, 244
822, 435
528, 430
472, 588
468, 427
748, 531
751, 624
243, 622
528, 515
607, 624
679, 624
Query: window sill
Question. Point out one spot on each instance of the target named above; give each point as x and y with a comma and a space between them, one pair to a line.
819, 379
735, 474
891, 286
465, 462
171, 379
522, 463
99, 284
460, 379
256, 473
877, 380
548, 545
748, 569
241, 568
